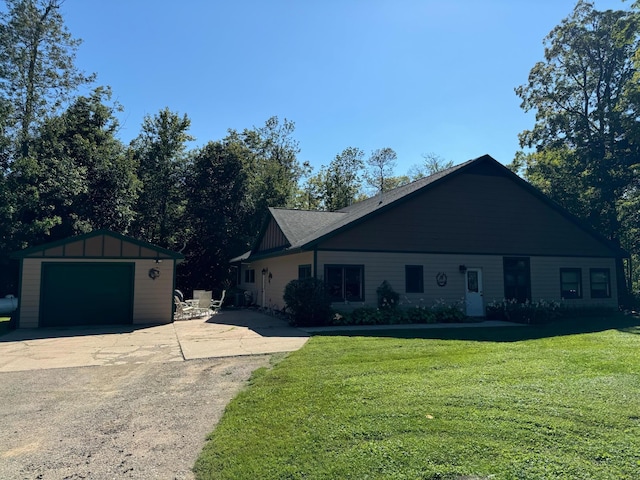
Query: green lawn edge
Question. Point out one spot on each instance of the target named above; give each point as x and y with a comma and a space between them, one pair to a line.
558, 401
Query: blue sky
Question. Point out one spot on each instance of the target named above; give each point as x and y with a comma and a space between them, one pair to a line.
431, 76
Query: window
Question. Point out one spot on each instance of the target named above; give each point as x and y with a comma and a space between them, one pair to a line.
413, 279
345, 282
600, 283
570, 283
250, 276
304, 271
517, 279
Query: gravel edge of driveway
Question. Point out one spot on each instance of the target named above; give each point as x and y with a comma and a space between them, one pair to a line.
136, 421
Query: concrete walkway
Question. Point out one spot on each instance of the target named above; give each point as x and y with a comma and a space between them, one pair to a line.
227, 333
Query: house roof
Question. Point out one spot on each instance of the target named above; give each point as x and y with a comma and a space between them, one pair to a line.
304, 228
56, 249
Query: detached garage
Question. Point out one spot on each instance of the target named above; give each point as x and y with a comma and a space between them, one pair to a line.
101, 278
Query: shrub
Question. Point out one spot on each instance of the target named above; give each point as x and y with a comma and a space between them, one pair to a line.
388, 298
308, 302
541, 311
438, 312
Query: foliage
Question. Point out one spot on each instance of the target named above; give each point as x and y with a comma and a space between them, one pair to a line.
215, 215
37, 56
308, 302
381, 164
552, 401
528, 312
432, 164
77, 178
160, 151
341, 181
438, 312
388, 298
586, 98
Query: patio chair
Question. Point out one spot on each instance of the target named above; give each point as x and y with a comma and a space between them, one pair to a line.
204, 304
183, 310
216, 304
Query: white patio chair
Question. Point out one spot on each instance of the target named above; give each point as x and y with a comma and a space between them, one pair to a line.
216, 304
183, 310
204, 304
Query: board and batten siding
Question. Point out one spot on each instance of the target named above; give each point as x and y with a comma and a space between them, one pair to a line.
481, 213
153, 301
283, 269
545, 276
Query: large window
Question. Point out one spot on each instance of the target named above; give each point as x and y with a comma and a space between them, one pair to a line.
414, 279
600, 283
345, 282
304, 271
570, 283
250, 276
517, 279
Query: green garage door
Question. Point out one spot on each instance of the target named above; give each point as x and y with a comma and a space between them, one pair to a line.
86, 294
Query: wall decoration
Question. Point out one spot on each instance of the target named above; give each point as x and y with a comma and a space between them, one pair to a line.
441, 279
154, 273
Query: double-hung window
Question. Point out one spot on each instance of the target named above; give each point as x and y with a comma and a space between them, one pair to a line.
250, 276
345, 282
570, 283
600, 283
304, 271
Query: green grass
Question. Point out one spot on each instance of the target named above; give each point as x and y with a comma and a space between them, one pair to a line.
4, 325
551, 402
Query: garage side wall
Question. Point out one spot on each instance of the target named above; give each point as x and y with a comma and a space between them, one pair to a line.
153, 300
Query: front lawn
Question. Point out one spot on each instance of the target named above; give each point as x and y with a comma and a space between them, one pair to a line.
551, 402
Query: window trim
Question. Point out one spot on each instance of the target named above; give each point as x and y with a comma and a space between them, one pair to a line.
608, 283
562, 290
250, 275
420, 287
302, 268
343, 267
527, 271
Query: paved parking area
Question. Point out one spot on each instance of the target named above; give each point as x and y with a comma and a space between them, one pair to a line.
122, 402
228, 333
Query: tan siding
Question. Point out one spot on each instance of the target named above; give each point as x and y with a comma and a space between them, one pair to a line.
471, 213
545, 276
545, 279
152, 298
391, 267
29, 301
283, 269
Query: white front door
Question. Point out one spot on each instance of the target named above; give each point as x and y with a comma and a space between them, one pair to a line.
473, 292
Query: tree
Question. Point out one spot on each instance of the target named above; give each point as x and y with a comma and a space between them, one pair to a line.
586, 133
37, 69
432, 163
342, 179
381, 164
270, 161
217, 211
580, 97
160, 151
77, 177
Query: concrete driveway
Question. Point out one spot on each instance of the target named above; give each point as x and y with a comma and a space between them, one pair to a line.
127, 405
228, 333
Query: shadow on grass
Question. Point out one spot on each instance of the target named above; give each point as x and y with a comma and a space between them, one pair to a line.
622, 323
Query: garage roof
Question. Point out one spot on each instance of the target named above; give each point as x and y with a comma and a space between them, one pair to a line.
99, 244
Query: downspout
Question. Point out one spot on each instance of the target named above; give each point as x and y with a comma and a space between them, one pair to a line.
264, 274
